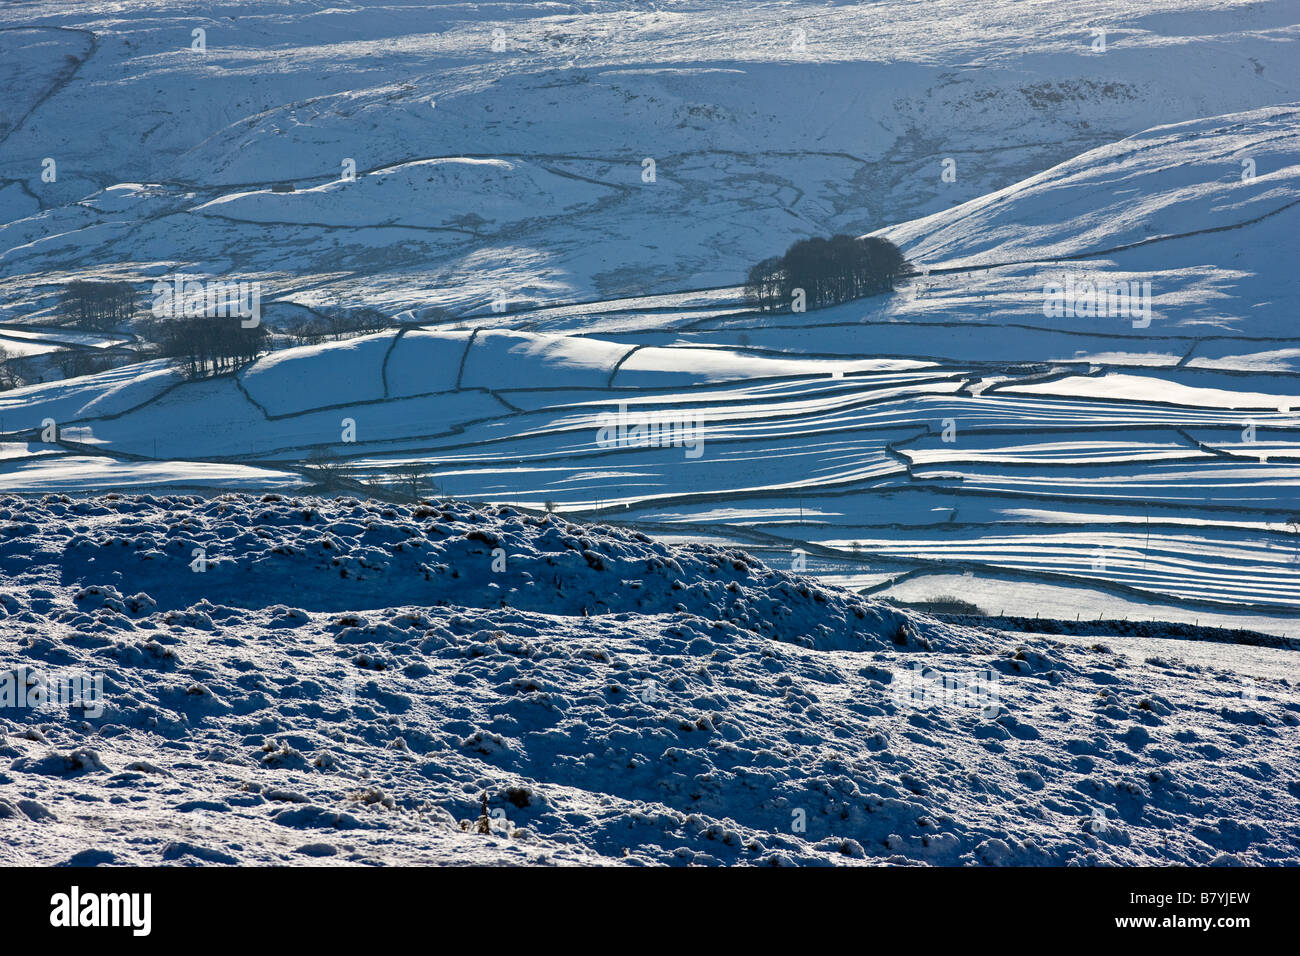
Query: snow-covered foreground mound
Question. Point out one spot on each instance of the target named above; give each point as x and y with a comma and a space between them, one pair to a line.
349, 680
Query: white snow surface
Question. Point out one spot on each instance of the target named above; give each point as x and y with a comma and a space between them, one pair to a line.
952, 427
500, 145
349, 679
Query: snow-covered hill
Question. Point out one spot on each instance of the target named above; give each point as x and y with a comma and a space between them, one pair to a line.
1085, 406
348, 682
767, 122
1111, 465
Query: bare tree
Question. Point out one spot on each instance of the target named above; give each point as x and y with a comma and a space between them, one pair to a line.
324, 467
309, 331
412, 477
765, 284
370, 320
77, 362
340, 323
470, 221
16, 370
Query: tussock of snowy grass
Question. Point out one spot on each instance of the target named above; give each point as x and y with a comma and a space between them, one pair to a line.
274, 710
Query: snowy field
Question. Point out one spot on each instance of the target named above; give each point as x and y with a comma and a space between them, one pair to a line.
558, 203
954, 425
767, 121
347, 682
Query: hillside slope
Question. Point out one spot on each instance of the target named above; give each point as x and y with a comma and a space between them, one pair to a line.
478, 167
712, 711
950, 435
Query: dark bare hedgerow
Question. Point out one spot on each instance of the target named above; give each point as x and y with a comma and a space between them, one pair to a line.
828, 271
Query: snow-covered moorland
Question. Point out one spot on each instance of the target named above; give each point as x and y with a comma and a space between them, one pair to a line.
340, 680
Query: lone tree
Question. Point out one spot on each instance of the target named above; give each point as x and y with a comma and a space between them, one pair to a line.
471, 222
829, 271
324, 467
414, 478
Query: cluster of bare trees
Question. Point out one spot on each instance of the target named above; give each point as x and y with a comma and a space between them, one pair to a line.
98, 306
76, 362
203, 345
338, 323
413, 479
206, 344
11, 371
19, 370
829, 271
